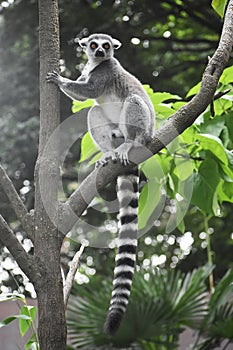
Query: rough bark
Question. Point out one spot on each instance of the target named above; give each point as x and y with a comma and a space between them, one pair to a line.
49, 287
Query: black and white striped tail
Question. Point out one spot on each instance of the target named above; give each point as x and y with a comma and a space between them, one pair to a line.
127, 193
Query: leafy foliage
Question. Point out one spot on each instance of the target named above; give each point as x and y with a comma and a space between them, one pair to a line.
26, 319
218, 323
219, 6
197, 165
160, 306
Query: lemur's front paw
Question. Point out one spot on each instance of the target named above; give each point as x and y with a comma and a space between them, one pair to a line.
54, 77
123, 157
111, 155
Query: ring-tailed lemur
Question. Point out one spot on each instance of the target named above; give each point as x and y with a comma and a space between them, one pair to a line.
121, 118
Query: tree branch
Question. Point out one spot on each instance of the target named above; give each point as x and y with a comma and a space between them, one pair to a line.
175, 125
74, 264
16, 203
8, 239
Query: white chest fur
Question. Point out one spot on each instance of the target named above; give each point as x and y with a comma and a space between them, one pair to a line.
111, 105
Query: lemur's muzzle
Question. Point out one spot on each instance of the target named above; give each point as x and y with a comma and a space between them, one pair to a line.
99, 53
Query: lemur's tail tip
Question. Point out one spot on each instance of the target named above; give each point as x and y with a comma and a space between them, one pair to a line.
112, 322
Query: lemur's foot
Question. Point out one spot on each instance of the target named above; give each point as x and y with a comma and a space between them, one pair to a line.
111, 155
124, 158
54, 77
123, 153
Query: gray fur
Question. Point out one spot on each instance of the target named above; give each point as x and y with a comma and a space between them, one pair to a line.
124, 109
121, 118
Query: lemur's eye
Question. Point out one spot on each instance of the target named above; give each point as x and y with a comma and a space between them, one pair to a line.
106, 46
93, 45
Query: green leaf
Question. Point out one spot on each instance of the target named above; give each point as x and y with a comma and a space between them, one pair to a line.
227, 75
214, 145
183, 167
159, 97
222, 105
8, 320
178, 105
189, 135
150, 195
163, 111
148, 89
230, 159
88, 147
79, 105
218, 323
219, 6
223, 290
149, 199
213, 127
32, 344
223, 329
32, 311
194, 90
24, 324
205, 183
181, 226
95, 158
225, 192
12, 296
182, 195
171, 183
153, 169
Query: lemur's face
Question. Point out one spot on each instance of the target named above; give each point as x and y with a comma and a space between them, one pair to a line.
99, 46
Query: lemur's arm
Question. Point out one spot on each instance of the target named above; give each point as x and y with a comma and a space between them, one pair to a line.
81, 90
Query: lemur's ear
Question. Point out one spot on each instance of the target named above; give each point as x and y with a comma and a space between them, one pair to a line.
116, 44
83, 42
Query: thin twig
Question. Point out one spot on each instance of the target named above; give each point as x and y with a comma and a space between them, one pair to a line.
8, 239
16, 203
209, 253
74, 264
219, 94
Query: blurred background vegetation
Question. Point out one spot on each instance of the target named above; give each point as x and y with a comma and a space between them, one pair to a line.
166, 44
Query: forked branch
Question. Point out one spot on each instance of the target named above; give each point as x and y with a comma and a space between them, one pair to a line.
16, 203
9, 240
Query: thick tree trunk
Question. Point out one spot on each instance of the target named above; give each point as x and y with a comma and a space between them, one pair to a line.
47, 243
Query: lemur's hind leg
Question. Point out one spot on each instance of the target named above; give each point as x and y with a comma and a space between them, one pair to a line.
134, 120
101, 130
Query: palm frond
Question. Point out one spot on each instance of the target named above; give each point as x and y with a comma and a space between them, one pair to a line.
160, 306
218, 323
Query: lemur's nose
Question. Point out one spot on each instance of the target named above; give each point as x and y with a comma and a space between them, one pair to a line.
99, 52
